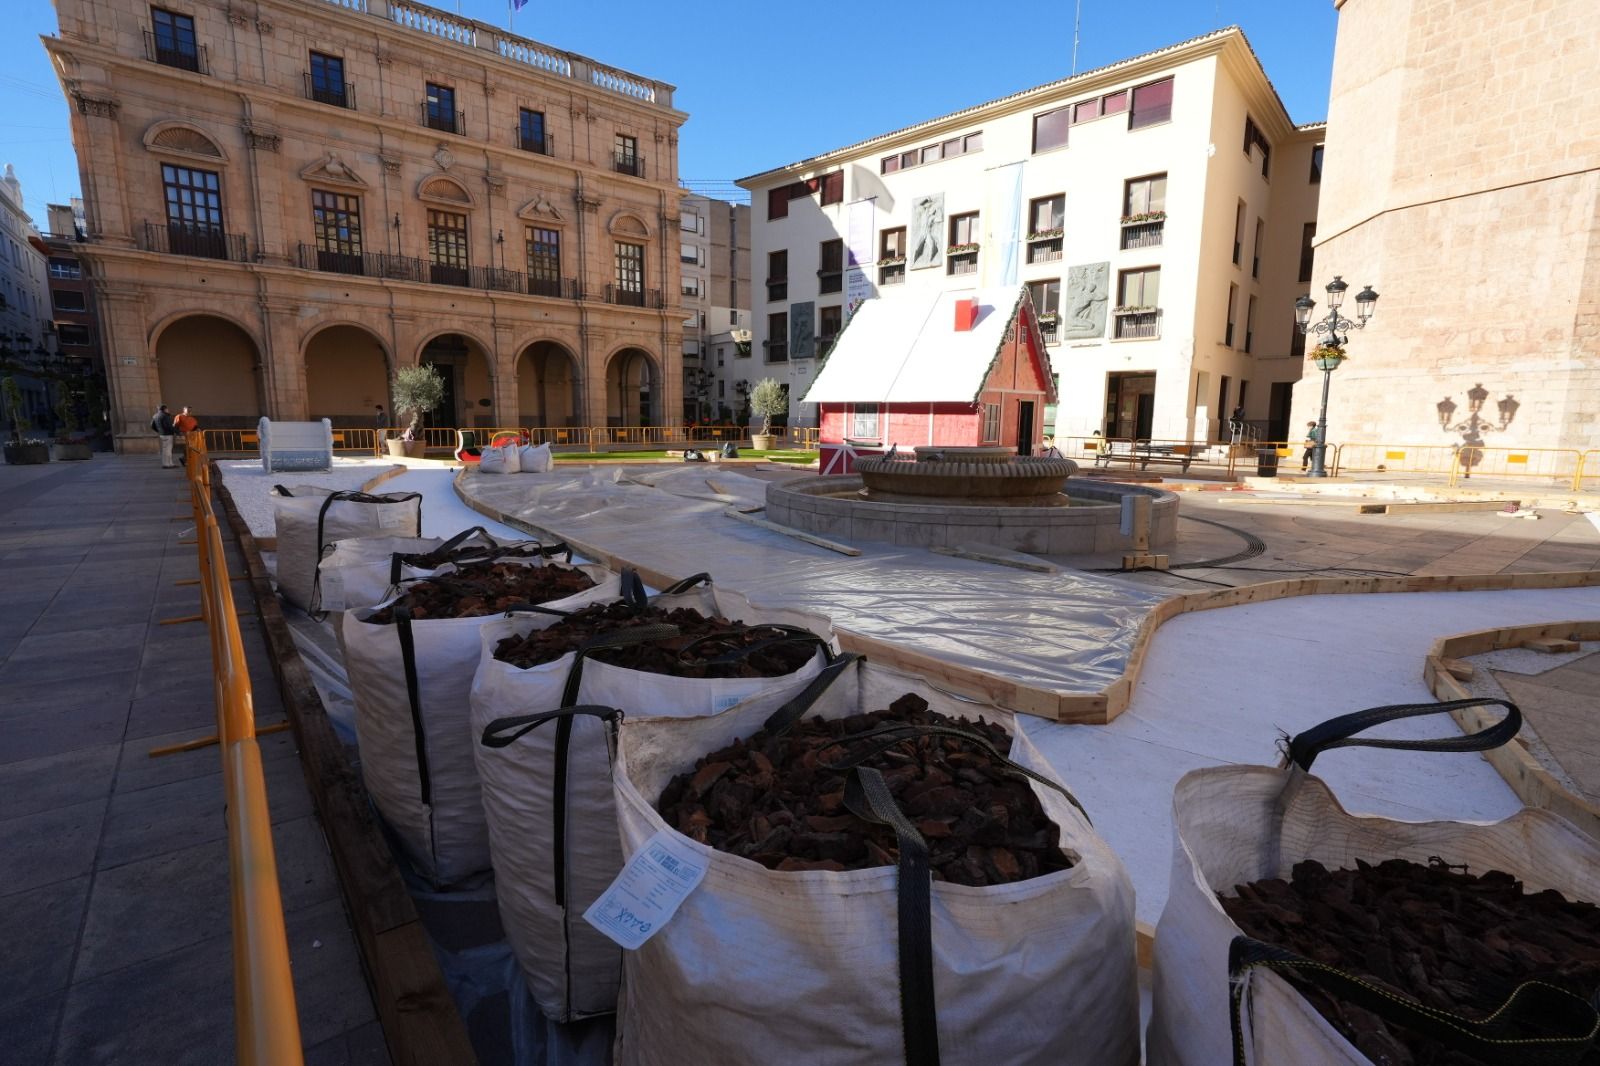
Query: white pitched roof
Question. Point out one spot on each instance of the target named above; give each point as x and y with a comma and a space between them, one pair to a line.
904, 348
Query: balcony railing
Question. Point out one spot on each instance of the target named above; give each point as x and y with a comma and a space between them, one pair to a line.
436, 118
777, 351
543, 145
1049, 329
1143, 234
555, 288
202, 242
450, 274
777, 289
623, 163
388, 267
342, 94
172, 54
651, 298
830, 281
1137, 325
1045, 251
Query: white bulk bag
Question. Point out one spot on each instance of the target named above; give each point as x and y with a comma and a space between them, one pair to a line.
536, 460
504, 460
308, 519
360, 572
759, 965
410, 681
554, 853
1238, 824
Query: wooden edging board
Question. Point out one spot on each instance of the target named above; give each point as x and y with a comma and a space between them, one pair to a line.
421, 1024
1092, 708
1532, 783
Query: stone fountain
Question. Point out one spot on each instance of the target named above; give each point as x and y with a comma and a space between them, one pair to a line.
947, 496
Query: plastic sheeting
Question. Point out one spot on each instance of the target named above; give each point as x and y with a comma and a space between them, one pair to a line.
1066, 633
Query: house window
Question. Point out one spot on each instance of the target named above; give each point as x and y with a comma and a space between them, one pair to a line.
1254, 137
1144, 212
778, 337
1050, 129
1249, 331
625, 155
778, 275
1255, 254
530, 131
72, 336
630, 267
1114, 103
932, 153
830, 267
544, 260
972, 142
447, 247
832, 188
1238, 232
690, 253
336, 224
194, 199
173, 40
1138, 313
1046, 296
327, 80
690, 222
67, 300
1297, 343
830, 320
66, 269
1307, 234
991, 423
691, 286
439, 111
1233, 299
1083, 112
864, 420
892, 256
1045, 220
962, 249
1316, 165
1152, 104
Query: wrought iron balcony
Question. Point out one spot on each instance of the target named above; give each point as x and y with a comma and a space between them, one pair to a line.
170, 52
336, 94
1143, 234
544, 144
650, 298
446, 121
202, 242
624, 163
1137, 325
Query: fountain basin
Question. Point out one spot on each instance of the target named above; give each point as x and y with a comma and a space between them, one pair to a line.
964, 476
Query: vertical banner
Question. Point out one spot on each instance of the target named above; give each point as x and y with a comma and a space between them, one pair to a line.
859, 242
1003, 241
858, 289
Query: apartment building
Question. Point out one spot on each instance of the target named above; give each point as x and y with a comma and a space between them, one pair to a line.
286, 202
81, 360
1156, 208
715, 256
24, 298
1482, 241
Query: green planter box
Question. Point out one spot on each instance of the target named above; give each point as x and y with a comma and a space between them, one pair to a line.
71, 451
27, 454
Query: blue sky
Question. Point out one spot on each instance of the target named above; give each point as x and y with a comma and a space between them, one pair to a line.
764, 88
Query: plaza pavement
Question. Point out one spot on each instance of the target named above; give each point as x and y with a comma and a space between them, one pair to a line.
114, 898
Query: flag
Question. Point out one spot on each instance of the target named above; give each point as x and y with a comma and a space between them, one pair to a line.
518, 5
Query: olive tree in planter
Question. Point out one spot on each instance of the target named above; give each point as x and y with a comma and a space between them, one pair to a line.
20, 452
68, 445
767, 399
417, 389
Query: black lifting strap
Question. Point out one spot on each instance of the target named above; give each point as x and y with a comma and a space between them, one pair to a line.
867, 796
780, 634
677, 588
785, 717
315, 610
1340, 732
408, 656
633, 593
1537, 1025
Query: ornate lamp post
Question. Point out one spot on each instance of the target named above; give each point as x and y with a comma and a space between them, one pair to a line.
1330, 353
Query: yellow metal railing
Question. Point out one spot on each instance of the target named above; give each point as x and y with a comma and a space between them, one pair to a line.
1362, 458
1560, 466
266, 1020
1588, 471
581, 438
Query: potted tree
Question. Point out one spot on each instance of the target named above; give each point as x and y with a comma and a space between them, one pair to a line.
767, 399
20, 452
417, 389
69, 444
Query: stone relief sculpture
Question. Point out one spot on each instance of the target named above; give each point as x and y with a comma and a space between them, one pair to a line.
802, 330
1087, 293
927, 231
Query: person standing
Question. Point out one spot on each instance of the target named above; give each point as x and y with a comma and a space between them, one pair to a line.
183, 425
1313, 438
380, 422
1236, 424
164, 426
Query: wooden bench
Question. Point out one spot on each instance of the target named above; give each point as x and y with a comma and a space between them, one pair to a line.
1144, 453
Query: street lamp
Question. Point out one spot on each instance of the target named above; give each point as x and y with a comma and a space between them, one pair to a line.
1330, 353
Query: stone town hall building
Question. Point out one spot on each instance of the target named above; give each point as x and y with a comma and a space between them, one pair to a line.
286, 199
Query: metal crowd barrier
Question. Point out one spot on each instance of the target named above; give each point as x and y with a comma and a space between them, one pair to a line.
266, 1020
362, 441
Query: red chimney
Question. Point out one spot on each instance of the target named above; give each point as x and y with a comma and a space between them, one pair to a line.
966, 314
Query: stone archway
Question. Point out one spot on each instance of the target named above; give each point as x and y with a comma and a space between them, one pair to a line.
213, 367
469, 381
633, 389
347, 375
549, 387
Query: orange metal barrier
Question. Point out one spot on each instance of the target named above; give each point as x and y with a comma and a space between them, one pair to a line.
1588, 470
242, 442
266, 1020
1560, 466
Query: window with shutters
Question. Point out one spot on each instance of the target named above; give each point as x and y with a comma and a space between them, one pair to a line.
1152, 104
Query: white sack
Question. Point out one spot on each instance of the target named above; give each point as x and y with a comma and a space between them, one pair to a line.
309, 519
443, 834
1228, 832
506, 460
571, 969
536, 460
361, 572
761, 966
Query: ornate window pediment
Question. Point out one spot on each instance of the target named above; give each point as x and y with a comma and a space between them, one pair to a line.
443, 189
181, 138
331, 170
628, 224
540, 209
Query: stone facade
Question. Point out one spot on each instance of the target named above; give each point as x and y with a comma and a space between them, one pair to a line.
339, 216
1481, 236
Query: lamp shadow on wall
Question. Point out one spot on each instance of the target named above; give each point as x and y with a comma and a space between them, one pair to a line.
1472, 428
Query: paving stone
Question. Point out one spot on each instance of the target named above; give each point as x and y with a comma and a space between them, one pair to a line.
28, 786
29, 1028
27, 697
362, 1046
145, 909
50, 846
76, 650
61, 727
39, 929
326, 976
154, 821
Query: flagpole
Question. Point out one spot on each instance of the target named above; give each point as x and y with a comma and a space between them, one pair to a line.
511, 21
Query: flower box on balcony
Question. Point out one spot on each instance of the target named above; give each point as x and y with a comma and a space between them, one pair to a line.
1049, 318
1132, 310
893, 260
1045, 234
1142, 217
962, 249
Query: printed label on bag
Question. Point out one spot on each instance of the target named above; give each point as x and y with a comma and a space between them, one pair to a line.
722, 703
648, 891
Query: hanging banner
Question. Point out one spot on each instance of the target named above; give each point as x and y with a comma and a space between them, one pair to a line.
859, 242
1005, 225
858, 289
